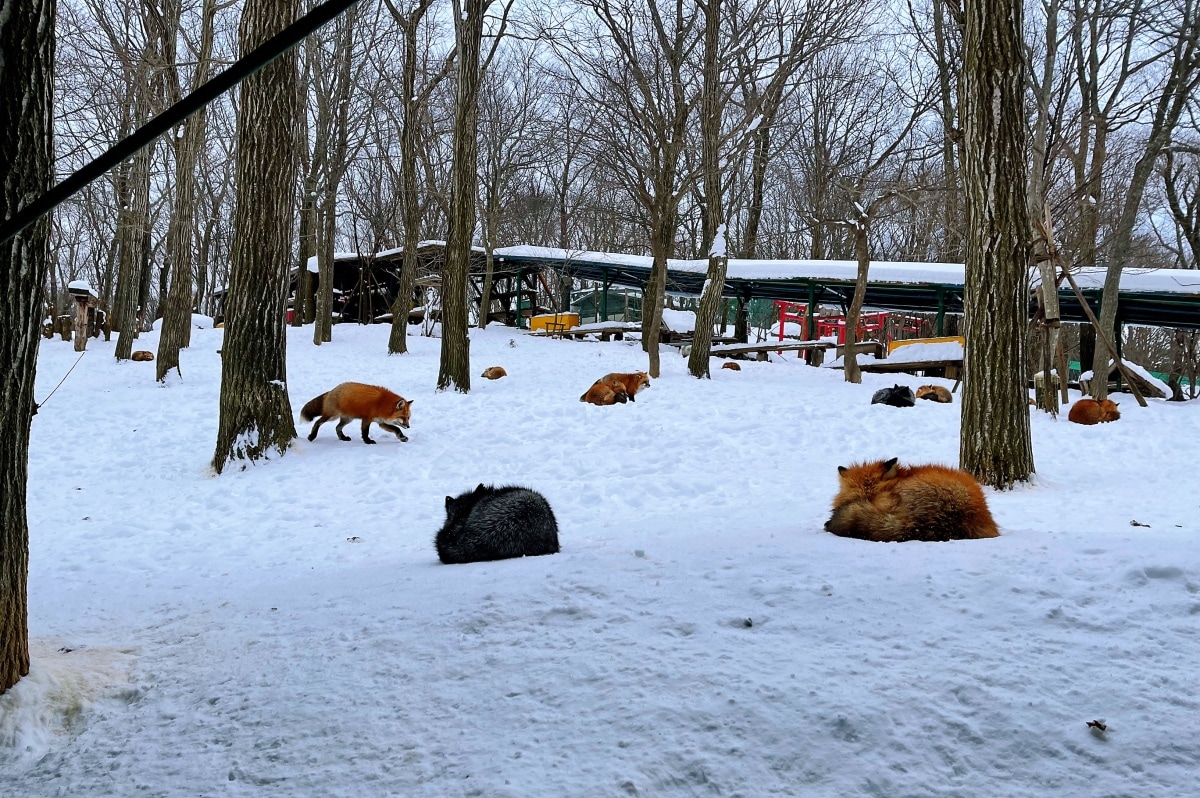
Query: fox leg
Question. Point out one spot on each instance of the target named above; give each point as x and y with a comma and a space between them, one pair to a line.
366, 427
394, 429
312, 434
343, 421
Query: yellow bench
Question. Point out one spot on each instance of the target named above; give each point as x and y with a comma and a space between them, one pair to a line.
945, 339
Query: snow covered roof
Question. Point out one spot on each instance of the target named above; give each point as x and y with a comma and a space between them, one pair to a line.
1162, 297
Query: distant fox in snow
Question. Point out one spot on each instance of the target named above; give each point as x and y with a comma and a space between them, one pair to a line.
1089, 411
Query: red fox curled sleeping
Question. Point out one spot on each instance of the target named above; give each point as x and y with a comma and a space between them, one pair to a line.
884, 501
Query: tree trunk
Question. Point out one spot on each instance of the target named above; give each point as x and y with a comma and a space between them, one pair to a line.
326, 219
131, 230
304, 305
652, 296
947, 75
26, 125
1045, 251
455, 364
760, 150
256, 416
177, 312
850, 358
410, 207
485, 296
711, 110
995, 444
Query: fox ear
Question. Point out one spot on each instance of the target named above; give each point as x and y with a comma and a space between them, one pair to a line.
890, 466
449, 501
841, 469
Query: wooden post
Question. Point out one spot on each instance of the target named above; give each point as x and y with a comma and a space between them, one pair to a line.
84, 299
81, 323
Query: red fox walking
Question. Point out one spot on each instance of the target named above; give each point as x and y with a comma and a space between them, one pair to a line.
352, 400
1089, 411
885, 501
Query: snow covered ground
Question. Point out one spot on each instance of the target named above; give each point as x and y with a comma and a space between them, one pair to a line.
287, 630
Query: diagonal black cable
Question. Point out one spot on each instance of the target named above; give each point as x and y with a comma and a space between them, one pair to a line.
245, 66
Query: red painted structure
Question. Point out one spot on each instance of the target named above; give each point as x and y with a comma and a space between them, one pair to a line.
870, 325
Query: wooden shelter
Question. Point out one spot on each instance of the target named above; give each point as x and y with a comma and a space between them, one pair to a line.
365, 285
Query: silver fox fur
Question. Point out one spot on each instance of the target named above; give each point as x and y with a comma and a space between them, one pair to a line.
491, 523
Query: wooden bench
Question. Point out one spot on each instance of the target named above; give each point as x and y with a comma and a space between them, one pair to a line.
816, 348
948, 367
607, 332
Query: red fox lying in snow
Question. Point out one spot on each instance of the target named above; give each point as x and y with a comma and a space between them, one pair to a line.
935, 393
1089, 411
885, 501
352, 400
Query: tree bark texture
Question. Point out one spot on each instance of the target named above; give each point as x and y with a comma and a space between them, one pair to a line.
326, 228
26, 168
255, 414
131, 232
181, 232
333, 86
994, 443
861, 254
711, 109
410, 201
455, 366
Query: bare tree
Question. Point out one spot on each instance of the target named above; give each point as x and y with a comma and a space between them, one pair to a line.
455, 364
782, 39
1042, 84
133, 215
256, 415
1182, 80
511, 144
412, 101
995, 443
712, 107
637, 69
26, 85
177, 315
333, 84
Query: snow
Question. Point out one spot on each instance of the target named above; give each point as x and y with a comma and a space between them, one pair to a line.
718, 245
287, 630
199, 322
679, 321
79, 285
919, 353
1145, 374
791, 329
1141, 371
